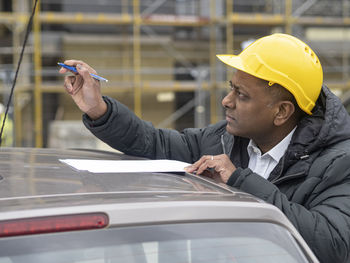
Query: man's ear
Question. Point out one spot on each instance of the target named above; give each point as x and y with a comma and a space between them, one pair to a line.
284, 111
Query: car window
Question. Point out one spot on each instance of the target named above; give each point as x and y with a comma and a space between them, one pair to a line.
237, 242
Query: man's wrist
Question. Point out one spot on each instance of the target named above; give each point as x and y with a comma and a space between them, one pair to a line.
98, 111
232, 179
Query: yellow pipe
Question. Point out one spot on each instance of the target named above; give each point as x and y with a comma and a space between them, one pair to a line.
125, 46
17, 110
229, 31
288, 14
137, 59
37, 80
213, 98
126, 19
17, 120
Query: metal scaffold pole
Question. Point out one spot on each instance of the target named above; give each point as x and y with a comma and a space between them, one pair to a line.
229, 31
213, 87
37, 79
137, 60
16, 33
288, 15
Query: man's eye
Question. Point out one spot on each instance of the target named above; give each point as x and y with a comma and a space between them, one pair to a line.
240, 95
238, 92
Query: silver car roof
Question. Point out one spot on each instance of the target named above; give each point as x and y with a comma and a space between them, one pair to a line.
29, 175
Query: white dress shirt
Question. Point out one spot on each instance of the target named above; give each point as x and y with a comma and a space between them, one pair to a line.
264, 164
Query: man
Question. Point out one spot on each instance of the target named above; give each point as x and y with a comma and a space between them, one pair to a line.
286, 139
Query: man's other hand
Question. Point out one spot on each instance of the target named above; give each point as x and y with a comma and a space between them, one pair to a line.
217, 167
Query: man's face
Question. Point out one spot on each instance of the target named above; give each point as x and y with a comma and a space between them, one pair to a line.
249, 107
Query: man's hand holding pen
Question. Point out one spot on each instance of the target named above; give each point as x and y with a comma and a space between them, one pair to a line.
218, 167
84, 89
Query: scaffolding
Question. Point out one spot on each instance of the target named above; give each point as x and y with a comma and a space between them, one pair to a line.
180, 29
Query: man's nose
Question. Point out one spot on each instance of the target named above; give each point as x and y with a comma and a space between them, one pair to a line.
228, 101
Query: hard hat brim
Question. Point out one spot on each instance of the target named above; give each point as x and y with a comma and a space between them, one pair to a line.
233, 61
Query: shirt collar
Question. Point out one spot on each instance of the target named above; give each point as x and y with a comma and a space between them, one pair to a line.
277, 151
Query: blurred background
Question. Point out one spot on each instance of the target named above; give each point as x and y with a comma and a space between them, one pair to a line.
158, 55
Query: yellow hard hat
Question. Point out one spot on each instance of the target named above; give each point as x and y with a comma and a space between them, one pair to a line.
286, 60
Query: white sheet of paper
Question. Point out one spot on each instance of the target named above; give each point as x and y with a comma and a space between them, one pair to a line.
126, 166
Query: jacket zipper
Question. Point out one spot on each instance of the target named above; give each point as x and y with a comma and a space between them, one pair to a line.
280, 174
278, 179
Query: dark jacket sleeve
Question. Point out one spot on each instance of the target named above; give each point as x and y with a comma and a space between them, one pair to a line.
124, 131
324, 219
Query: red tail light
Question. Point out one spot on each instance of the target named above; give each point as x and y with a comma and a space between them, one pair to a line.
50, 224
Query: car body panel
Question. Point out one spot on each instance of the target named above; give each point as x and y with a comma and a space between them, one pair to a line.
35, 183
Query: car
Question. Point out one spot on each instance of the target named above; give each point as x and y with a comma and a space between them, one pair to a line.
53, 212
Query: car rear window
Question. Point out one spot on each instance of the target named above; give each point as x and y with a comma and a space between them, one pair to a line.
240, 242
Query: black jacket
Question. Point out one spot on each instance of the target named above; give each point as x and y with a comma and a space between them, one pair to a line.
310, 184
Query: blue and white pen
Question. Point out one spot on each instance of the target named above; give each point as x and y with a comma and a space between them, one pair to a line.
73, 69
